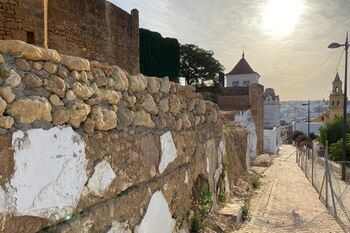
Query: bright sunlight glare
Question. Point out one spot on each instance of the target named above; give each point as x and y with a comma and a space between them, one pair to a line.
281, 16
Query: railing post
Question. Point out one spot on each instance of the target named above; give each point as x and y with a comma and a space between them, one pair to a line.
326, 173
312, 165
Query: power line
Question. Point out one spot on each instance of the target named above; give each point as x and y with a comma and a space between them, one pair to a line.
328, 89
341, 56
304, 78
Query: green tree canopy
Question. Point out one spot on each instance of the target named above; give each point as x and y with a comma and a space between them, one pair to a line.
159, 56
198, 65
332, 131
336, 149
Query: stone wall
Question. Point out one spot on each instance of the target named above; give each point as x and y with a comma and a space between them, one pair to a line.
86, 147
94, 29
256, 94
242, 99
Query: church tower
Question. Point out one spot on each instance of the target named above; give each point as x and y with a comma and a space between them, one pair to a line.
336, 99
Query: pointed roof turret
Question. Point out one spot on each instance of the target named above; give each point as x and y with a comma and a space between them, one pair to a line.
242, 67
337, 78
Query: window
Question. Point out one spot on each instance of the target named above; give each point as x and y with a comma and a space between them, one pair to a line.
246, 83
338, 103
333, 103
336, 89
30, 37
322, 118
235, 83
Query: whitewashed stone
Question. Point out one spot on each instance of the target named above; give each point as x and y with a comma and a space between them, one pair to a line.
169, 152
101, 179
158, 216
53, 162
2, 200
246, 120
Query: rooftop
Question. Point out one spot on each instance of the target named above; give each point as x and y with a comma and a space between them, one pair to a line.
242, 67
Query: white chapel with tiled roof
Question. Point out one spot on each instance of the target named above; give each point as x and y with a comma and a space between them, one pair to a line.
242, 75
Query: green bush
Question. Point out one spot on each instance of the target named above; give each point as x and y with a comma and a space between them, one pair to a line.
336, 150
222, 195
296, 134
206, 202
196, 224
159, 56
332, 131
246, 210
256, 182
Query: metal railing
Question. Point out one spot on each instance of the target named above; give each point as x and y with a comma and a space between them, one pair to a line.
325, 177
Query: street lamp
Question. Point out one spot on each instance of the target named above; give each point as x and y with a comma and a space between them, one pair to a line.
308, 135
334, 46
308, 117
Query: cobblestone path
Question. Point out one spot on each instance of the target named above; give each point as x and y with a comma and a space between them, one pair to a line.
287, 202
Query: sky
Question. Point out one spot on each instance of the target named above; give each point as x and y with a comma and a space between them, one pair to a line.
285, 41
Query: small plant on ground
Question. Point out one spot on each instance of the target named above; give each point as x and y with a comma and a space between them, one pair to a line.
246, 210
256, 182
196, 224
206, 201
222, 195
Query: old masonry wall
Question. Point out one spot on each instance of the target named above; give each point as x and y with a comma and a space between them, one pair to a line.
86, 147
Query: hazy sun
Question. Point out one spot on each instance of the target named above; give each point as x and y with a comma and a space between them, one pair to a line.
281, 16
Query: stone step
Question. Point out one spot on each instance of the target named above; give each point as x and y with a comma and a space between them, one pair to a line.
232, 210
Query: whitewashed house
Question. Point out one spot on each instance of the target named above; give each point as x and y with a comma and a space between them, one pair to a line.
272, 116
242, 75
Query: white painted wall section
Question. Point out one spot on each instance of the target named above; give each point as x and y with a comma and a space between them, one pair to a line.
168, 151
101, 179
158, 216
50, 172
245, 119
2, 200
252, 78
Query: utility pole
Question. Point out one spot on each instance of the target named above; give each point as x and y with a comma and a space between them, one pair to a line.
334, 46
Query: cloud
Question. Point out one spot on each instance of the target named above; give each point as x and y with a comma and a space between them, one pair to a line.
225, 26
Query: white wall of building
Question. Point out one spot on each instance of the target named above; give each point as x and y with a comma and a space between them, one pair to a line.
272, 115
252, 78
272, 140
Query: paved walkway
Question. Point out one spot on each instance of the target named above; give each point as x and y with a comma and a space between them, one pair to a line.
287, 202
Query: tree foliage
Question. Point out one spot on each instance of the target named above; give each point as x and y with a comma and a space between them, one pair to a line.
332, 131
198, 65
296, 134
159, 56
336, 149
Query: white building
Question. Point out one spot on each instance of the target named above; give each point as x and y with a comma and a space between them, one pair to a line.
242, 75
272, 116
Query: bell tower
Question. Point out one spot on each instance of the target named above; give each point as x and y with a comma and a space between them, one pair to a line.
336, 99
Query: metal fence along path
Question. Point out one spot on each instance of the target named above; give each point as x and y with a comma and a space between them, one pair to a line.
325, 177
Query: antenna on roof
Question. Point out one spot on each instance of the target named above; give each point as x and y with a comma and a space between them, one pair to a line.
243, 52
